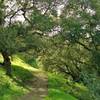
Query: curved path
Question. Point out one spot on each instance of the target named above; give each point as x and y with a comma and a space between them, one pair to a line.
39, 87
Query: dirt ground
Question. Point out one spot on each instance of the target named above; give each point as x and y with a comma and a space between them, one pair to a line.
39, 87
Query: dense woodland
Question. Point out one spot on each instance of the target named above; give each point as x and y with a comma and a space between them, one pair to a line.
61, 37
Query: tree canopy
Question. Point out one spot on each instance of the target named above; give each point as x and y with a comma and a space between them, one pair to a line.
66, 34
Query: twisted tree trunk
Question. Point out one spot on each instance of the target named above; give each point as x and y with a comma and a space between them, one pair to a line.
7, 63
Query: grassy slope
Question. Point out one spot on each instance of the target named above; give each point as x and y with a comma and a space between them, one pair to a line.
8, 88
11, 89
58, 87
64, 89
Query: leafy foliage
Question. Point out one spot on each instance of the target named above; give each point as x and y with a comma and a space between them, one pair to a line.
73, 52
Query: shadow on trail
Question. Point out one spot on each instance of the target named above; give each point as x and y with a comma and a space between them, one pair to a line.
22, 76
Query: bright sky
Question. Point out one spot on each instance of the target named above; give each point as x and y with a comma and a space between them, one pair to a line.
59, 9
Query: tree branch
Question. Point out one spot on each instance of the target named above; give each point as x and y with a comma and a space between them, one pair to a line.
83, 46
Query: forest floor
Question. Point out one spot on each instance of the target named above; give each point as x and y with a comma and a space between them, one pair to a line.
39, 87
28, 82
32, 83
38, 84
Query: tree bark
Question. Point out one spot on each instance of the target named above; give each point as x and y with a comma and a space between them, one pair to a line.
7, 63
68, 71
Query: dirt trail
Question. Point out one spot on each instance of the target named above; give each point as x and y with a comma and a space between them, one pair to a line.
39, 87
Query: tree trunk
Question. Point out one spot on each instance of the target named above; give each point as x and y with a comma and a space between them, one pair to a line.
7, 63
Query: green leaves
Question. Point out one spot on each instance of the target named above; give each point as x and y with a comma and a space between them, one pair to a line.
42, 22
7, 39
72, 29
1, 12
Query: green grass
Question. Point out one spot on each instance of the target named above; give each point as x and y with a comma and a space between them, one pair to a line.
9, 89
57, 86
65, 89
14, 88
56, 94
28, 59
22, 74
